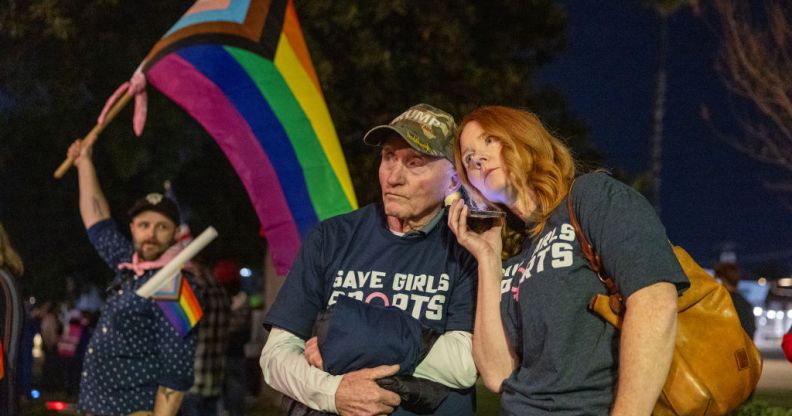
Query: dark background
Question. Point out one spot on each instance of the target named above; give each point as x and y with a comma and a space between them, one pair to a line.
585, 67
713, 197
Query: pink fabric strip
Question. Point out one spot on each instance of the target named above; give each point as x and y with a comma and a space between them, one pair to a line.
140, 266
137, 86
110, 101
204, 5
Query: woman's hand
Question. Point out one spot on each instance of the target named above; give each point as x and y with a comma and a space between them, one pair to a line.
482, 246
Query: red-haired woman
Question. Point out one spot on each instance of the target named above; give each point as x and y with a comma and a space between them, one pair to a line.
534, 339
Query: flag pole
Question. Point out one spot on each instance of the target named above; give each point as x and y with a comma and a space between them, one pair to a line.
92, 135
174, 265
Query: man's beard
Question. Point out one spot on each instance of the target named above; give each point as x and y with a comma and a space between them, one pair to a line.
150, 257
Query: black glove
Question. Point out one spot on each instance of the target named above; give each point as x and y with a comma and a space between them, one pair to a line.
418, 395
428, 338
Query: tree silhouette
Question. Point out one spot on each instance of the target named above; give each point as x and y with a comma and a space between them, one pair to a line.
755, 59
60, 59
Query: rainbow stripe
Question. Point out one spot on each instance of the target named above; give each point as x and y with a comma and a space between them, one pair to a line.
183, 312
242, 70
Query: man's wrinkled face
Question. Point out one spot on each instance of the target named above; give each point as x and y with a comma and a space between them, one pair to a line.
152, 234
413, 184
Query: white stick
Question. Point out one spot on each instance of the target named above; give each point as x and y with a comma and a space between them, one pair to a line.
169, 271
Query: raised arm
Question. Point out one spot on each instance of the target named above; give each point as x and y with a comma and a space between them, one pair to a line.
492, 353
93, 205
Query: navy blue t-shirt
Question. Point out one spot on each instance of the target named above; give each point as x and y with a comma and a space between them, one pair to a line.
428, 275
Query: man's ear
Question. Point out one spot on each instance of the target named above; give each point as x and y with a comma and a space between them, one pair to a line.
455, 183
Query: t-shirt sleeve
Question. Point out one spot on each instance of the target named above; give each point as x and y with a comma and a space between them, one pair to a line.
629, 237
460, 306
302, 295
111, 245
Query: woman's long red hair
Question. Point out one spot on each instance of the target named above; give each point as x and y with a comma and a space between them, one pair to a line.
536, 162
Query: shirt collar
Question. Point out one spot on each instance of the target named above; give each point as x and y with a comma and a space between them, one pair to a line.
426, 229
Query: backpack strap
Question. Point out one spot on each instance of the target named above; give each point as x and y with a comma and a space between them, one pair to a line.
595, 262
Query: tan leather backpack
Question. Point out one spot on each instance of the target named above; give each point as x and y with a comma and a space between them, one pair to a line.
716, 365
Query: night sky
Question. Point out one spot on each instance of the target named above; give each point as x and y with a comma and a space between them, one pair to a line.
711, 194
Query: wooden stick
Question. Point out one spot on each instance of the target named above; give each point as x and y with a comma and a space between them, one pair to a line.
92, 135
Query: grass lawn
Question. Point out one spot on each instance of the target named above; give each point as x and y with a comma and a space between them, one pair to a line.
772, 402
775, 398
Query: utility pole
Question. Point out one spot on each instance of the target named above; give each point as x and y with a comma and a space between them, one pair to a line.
658, 111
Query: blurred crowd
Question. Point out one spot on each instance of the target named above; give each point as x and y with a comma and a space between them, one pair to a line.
55, 338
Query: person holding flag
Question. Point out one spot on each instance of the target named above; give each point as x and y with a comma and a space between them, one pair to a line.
140, 358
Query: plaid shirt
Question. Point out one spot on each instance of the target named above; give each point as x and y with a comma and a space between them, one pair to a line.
212, 339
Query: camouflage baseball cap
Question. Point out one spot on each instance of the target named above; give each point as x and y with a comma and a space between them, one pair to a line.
427, 129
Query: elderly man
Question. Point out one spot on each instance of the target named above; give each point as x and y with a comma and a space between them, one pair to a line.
138, 360
399, 253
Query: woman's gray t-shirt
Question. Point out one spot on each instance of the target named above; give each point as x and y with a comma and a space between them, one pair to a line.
569, 356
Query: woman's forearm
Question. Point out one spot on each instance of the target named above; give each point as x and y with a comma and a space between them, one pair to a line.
646, 348
492, 353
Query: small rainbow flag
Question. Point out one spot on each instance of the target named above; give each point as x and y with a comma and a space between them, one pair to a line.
242, 69
179, 304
